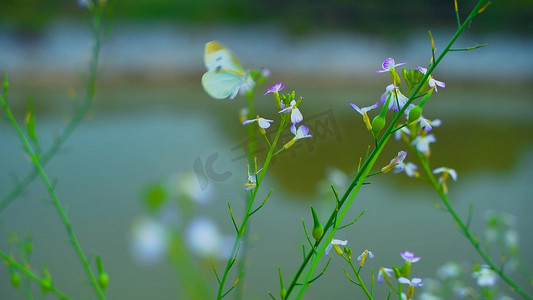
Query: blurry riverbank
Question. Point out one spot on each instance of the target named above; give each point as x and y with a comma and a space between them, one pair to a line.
162, 52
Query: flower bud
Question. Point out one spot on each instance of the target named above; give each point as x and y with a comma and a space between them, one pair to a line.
46, 284
410, 292
414, 114
378, 123
15, 279
338, 249
318, 230
348, 252
397, 272
103, 280
406, 269
282, 293
6, 85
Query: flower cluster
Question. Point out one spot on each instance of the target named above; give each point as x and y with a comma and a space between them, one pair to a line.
286, 105
401, 275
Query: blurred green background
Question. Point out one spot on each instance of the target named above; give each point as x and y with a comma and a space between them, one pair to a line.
299, 16
151, 120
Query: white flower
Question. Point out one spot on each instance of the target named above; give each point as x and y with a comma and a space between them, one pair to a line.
445, 173
203, 237
388, 65
413, 282
186, 184
337, 243
363, 111
262, 122
252, 181
149, 241
511, 238
427, 125
422, 142
432, 82
296, 115
361, 258
398, 133
410, 169
396, 163
449, 270
301, 133
428, 296
397, 99
384, 272
485, 276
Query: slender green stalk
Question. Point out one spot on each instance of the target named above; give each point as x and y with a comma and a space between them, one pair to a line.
367, 165
252, 134
242, 228
97, 28
29, 274
191, 278
359, 279
464, 229
66, 223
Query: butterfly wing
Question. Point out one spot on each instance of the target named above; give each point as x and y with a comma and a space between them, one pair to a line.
218, 57
223, 83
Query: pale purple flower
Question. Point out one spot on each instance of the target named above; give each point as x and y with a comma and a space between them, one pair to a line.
251, 183
275, 88
396, 163
485, 276
422, 142
361, 258
365, 254
409, 169
296, 115
384, 272
262, 122
409, 256
449, 270
301, 133
388, 64
363, 112
398, 133
427, 125
150, 240
265, 72
413, 282
446, 171
337, 243
203, 237
432, 82
397, 99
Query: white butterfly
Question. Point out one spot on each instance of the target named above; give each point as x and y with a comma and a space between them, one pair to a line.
225, 76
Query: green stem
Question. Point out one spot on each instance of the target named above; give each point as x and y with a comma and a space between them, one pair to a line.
252, 133
53, 195
242, 227
78, 116
369, 162
359, 279
336, 217
464, 228
29, 274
